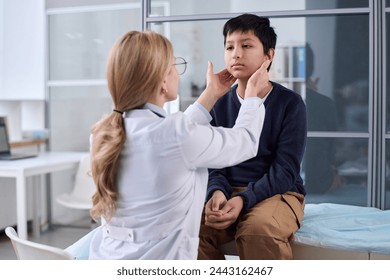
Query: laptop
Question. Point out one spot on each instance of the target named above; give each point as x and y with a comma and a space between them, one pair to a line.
5, 149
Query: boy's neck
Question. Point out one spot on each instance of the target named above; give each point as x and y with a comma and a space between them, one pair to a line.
241, 86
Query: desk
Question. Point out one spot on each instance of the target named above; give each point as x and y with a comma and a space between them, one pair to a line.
28, 143
44, 163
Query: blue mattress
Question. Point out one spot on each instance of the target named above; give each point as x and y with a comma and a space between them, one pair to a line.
348, 227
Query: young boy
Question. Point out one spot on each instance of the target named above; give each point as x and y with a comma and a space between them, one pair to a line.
260, 202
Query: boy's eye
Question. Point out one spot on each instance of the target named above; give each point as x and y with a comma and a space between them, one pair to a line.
228, 48
246, 46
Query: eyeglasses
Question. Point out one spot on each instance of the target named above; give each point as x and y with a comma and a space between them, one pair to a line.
181, 65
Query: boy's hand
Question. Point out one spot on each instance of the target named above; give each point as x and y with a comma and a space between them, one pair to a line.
258, 81
221, 213
214, 205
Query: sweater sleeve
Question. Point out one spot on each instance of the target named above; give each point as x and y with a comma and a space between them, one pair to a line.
218, 181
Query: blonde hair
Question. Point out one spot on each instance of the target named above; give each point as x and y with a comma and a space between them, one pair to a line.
136, 68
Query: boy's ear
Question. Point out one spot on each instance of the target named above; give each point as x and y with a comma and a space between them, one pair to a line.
271, 54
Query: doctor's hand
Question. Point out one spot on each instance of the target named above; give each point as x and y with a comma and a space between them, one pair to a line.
218, 83
225, 216
258, 81
217, 86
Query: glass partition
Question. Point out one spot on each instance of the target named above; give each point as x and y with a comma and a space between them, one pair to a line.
50, 4
314, 61
190, 42
387, 176
387, 112
72, 112
335, 170
387, 78
189, 7
79, 42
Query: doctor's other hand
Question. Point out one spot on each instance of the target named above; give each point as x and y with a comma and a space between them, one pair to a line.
258, 81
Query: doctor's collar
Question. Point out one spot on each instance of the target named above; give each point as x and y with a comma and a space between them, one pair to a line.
156, 109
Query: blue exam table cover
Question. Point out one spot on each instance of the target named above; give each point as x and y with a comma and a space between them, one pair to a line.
364, 229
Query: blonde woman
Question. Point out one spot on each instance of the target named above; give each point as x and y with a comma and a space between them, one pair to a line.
150, 168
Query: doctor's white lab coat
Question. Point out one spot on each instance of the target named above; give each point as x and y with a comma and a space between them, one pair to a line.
162, 179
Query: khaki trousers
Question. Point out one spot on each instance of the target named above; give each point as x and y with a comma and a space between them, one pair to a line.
263, 233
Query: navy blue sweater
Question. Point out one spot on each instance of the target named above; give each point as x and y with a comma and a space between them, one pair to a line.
276, 168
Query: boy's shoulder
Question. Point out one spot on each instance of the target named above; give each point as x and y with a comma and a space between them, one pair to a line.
282, 92
282, 89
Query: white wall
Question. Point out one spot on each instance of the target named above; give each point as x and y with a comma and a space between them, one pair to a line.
23, 33
22, 63
1, 44
23, 116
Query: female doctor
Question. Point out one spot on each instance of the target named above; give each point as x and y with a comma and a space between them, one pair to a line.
150, 168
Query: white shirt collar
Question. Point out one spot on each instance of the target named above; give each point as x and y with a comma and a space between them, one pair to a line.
262, 99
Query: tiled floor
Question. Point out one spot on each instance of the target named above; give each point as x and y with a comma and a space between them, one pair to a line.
58, 236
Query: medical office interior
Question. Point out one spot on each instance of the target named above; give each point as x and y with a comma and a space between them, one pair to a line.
334, 53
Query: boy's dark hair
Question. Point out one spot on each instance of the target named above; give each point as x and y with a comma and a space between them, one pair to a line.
259, 25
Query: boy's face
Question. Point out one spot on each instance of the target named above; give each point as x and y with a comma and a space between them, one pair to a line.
244, 54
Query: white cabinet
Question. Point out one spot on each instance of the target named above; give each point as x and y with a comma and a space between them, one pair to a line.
22, 40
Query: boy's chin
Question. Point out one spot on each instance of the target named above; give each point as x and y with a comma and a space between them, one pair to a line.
241, 76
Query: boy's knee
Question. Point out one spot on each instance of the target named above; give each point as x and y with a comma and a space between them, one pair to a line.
260, 226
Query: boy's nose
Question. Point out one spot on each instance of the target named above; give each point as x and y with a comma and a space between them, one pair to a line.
236, 53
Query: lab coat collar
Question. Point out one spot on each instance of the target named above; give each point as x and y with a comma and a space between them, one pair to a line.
156, 109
